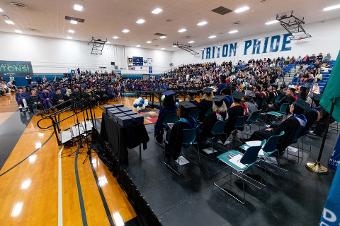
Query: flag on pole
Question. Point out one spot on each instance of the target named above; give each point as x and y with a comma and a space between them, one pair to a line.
332, 91
331, 212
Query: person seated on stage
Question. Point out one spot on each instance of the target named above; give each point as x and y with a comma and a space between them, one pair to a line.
227, 93
250, 103
222, 85
34, 102
168, 109
219, 113
175, 134
191, 97
22, 97
235, 110
293, 127
205, 105
288, 98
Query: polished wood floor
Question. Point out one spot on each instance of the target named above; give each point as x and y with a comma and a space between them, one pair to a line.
42, 189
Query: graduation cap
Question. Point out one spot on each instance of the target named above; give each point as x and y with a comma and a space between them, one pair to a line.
218, 100
302, 104
192, 92
187, 106
207, 90
169, 93
237, 95
251, 94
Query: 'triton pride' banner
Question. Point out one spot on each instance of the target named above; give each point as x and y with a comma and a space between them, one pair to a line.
269, 44
16, 67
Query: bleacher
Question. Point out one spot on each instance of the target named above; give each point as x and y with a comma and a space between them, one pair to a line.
322, 83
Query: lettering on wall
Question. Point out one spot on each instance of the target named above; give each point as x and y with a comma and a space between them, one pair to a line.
16, 67
270, 44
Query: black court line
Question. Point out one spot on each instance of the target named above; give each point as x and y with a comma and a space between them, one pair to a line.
10, 132
32, 153
102, 196
80, 194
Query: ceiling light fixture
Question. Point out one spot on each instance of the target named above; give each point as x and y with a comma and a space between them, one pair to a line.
137, 46
329, 8
182, 30
115, 37
69, 37
271, 22
148, 42
70, 31
78, 7
162, 37
73, 22
162, 48
233, 31
1, 10
202, 23
125, 30
18, 31
140, 21
157, 11
242, 9
10, 22
212, 36
192, 41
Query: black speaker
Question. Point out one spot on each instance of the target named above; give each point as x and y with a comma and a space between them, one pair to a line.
113, 63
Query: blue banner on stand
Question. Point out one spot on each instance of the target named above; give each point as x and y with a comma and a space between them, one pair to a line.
150, 70
335, 159
331, 212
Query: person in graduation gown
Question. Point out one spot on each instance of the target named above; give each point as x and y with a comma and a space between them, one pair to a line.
235, 110
205, 105
219, 112
175, 134
228, 99
292, 127
191, 97
168, 109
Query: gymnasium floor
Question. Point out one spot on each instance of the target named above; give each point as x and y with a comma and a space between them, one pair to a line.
42, 190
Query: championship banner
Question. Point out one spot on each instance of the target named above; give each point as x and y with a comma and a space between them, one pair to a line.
16, 67
335, 159
331, 212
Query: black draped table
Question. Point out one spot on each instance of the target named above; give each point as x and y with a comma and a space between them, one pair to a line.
123, 137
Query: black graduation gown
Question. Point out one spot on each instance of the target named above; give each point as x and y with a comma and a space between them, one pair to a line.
290, 126
233, 113
204, 106
175, 139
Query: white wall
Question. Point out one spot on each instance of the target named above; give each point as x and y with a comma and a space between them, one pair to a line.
325, 38
59, 56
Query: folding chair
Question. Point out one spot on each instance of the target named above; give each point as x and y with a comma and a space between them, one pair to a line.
252, 119
240, 164
189, 139
282, 112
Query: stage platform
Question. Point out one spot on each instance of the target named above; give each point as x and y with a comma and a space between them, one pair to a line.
295, 198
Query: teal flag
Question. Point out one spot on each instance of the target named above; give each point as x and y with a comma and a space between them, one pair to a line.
332, 91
